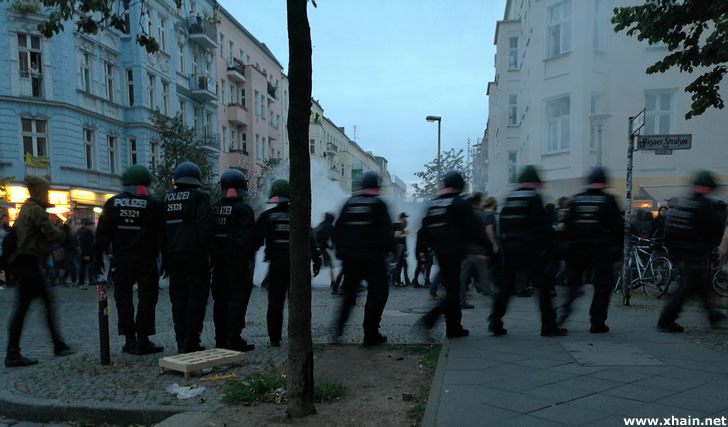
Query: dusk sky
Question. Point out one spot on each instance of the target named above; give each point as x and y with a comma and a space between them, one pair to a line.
384, 65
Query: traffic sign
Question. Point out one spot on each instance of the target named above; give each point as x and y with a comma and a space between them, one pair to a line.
636, 123
665, 142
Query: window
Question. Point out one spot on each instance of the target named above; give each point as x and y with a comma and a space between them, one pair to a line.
153, 154
659, 109
513, 53
233, 94
232, 50
224, 138
111, 147
152, 104
233, 139
162, 34
595, 129
35, 137
182, 112
222, 91
181, 58
242, 56
262, 106
559, 29
165, 98
257, 104
197, 118
513, 167
29, 55
130, 86
127, 22
86, 75
263, 147
194, 61
208, 124
312, 146
109, 81
88, 148
222, 45
557, 124
242, 97
244, 142
132, 151
513, 110
257, 146
598, 25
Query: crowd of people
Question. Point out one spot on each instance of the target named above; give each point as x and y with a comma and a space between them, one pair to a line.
209, 249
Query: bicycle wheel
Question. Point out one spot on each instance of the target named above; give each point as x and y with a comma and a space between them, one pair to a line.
657, 277
720, 283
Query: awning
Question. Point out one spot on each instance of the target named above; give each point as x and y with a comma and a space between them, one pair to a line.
663, 192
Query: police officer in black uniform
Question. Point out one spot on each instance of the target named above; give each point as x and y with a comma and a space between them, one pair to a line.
448, 225
593, 236
272, 229
130, 224
363, 238
526, 232
189, 240
692, 229
231, 278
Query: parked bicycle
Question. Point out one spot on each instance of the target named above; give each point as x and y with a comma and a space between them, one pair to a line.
720, 275
648, 268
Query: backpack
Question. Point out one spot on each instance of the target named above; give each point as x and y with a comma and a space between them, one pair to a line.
9, 246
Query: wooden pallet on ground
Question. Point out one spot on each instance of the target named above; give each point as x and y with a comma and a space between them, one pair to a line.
191, 362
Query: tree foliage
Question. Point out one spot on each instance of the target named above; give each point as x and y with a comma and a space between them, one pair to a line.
178, 144
696, 34
428, 185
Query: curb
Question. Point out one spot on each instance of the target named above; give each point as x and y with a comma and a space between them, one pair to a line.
45, 411
433, 401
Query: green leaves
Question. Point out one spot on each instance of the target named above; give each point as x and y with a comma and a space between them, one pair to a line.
429, 185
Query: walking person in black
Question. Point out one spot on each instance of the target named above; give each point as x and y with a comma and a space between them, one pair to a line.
321, 238
449, 225
35, 237
86, 241
692, 229
130, 225
526, 231
424, 261
363, 238
593, 240
400, 251
231, 278
189, 241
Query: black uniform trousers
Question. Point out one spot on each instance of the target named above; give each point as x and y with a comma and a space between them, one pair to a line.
279, 279
189, 286
373, 269
130, 269
577, 264
450, 306
531, 262
231, 289
694, 278
32, 283
424, 266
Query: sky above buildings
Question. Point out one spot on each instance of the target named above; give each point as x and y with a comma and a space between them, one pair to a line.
384, 65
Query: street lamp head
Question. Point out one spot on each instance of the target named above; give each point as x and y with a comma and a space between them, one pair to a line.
433, 118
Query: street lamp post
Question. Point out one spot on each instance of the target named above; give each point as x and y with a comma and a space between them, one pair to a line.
437, 119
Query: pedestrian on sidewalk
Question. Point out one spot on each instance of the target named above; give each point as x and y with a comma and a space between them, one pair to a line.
363, 238
593, 236
189, 241
692, 229
526, 231
400, 251
322, 241
424, 261
231, 278
130, 225
87, 240
475, 263
35, 237
449, 226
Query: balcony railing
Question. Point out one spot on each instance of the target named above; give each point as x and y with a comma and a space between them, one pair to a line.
272, 90
236, 70
208, 140
202, 32
203, 86
31, 84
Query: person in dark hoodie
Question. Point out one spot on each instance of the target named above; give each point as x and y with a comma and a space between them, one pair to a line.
86, 241
130, 225
321, 238
35, 237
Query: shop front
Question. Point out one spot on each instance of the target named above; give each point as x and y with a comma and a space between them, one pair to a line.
65, 203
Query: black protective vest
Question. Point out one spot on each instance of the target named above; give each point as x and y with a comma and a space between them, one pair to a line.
188, 225
234, 222
363, 228
594, 221
131, 223
692, 228
277, 232
523, 220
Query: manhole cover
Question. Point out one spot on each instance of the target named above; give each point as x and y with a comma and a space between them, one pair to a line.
609, 354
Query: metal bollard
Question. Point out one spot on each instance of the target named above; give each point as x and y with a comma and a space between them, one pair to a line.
103, 306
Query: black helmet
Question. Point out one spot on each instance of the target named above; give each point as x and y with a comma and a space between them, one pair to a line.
188, 173
233, 184
453, 179
597, 177
370, 180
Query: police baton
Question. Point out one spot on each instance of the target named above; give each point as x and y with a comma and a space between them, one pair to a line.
103, 306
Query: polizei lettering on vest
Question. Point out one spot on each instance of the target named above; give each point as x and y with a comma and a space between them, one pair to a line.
223, 210
171, 197
130, 203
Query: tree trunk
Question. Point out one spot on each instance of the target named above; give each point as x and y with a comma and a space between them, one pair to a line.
300, 347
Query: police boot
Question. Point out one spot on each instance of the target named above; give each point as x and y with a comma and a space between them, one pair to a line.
239, 344
130, 344
14, 359
144, 346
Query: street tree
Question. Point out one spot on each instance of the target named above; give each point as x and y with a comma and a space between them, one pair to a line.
696, 34
177, 144
300, 346
428, 185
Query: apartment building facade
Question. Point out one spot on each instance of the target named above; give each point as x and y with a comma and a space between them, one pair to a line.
565, 86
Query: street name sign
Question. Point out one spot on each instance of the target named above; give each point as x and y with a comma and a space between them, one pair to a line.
665, 142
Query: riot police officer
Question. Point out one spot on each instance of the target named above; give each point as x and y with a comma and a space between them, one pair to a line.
593, 236
692, 229
449, 224
272, 229
130, 224
363, 238
526, 232
231, 278
188, 243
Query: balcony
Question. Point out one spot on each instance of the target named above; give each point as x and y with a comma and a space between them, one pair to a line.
208, 140
31, 85
331, 149
236, 71
237, 114
203, 88
272, 90
202, 32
